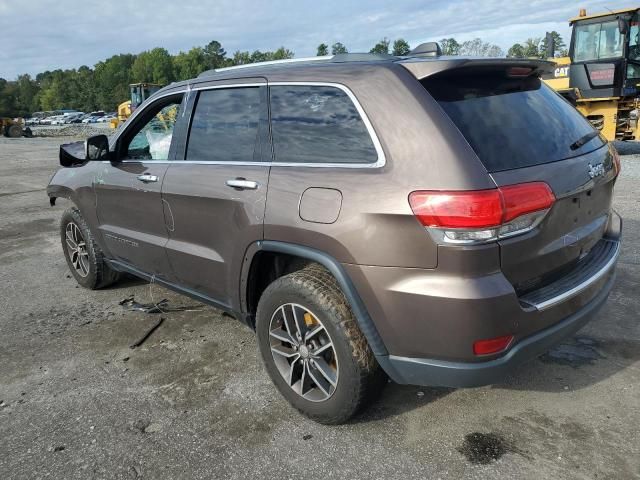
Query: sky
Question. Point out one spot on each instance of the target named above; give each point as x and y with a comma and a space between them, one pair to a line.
39, 35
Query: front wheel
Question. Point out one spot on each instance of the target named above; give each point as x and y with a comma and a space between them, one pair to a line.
84, 258
313, 349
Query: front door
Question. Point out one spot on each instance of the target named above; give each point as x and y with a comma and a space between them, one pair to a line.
216, 197
128, 190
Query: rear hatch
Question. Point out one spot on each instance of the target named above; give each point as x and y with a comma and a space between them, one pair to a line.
522, 131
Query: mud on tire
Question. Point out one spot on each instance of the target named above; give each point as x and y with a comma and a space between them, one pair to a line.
359, 377
92, 271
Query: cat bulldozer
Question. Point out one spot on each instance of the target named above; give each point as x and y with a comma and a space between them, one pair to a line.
139, 93
601, 75
14, 128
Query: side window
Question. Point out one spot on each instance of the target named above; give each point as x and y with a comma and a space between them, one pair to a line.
318, 124
225, 125
151, 139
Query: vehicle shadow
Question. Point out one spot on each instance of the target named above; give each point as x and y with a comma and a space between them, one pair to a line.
398, 399
127, 281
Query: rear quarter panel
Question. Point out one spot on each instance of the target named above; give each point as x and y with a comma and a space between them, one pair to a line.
423, 151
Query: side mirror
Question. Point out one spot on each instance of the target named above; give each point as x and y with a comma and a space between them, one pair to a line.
97, 148
623, 25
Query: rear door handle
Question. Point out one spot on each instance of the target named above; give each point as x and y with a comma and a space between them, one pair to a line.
148, 178
242, 184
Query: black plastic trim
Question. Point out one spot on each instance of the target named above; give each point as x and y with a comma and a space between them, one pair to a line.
348, 288
430, 372
124, 267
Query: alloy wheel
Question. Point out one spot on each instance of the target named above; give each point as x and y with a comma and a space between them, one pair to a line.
77, 248
303, 352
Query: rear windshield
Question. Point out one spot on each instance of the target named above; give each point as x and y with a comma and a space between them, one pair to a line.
512, 122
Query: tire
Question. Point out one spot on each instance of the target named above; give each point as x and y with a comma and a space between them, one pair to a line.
358, 377
87, 264
13, 131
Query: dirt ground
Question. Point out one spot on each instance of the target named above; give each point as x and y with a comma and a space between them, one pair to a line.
194, 402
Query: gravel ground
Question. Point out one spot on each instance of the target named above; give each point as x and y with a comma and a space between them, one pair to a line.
193, 400
80, 130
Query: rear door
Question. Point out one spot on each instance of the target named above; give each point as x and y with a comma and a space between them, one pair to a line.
215, 197
128, 200
523, 131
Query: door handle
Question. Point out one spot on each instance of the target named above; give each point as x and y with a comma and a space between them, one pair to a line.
242, 184
148, 178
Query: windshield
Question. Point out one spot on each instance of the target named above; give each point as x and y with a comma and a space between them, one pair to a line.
511, 122
633, 68
596, 41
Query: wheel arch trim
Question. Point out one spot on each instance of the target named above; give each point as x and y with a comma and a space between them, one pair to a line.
60, 191
363, 318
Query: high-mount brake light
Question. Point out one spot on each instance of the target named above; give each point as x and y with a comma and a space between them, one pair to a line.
519, 71
480, 216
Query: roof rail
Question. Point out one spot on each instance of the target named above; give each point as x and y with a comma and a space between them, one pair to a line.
361, 57
206, 73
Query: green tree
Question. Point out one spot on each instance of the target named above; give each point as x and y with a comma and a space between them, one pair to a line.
8, 98
479, 48
323, 49
241, 58
516, 51
559, 46
338, 48
531, 48
27, 94
381, 47
401, 47
450, 46
155, 66
281, 54
214, 55
189, 64
112, 78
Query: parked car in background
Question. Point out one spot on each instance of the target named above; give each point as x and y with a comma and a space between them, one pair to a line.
81, 118
359, 232
72, 117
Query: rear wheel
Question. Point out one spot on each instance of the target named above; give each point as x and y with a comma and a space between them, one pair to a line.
84, 257
13, 131
313, 349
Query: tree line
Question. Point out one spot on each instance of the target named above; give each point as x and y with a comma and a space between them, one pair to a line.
106, 85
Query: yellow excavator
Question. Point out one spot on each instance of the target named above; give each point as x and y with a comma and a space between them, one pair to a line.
14, 128
139, 93
601, 75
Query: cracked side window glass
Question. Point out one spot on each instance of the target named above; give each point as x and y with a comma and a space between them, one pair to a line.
153, 140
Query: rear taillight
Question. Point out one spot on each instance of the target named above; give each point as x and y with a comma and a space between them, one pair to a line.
492, 345
616, 160
479, 216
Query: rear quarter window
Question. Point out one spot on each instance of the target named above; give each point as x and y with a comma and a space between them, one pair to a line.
318, 124
511, 122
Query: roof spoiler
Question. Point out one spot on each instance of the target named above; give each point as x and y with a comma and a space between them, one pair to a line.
427, 68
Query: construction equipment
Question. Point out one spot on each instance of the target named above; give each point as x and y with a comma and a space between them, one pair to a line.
601, 76
14, 127
139, 93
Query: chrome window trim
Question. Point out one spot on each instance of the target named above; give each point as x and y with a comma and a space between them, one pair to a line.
380, 162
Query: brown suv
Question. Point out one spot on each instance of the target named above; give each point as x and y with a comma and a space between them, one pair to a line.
437, 219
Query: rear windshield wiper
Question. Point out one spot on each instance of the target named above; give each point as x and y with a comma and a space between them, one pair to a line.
582, 140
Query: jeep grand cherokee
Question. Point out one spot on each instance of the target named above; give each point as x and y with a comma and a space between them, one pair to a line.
435, 219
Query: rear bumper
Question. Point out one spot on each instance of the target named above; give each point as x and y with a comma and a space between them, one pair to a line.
429, 320
424, 371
